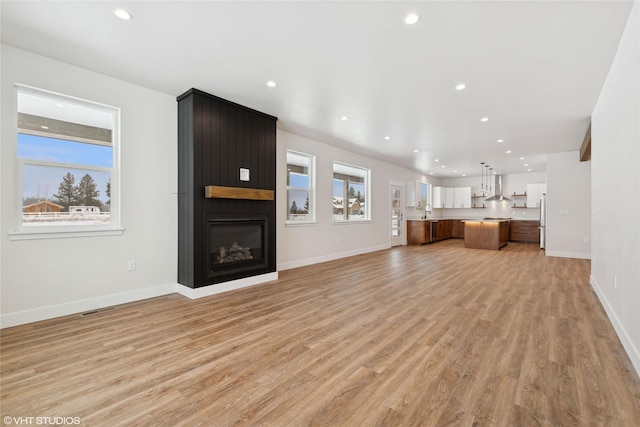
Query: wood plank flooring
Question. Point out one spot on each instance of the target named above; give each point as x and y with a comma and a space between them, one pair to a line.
435, 335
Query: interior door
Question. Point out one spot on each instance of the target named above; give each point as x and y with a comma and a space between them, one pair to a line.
397, 215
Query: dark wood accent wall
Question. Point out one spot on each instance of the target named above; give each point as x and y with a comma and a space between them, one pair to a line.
216, 138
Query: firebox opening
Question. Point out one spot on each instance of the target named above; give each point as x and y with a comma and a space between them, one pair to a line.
236, 244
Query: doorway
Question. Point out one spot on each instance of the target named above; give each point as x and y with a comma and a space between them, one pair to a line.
397, 214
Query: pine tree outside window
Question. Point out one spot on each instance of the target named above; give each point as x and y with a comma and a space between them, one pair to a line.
67, 153
351, 196
300, 188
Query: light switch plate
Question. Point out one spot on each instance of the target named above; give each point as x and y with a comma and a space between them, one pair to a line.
244, 174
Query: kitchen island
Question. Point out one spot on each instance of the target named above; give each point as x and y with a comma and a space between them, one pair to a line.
486, 234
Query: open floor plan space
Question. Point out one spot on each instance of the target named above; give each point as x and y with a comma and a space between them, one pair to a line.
416, 335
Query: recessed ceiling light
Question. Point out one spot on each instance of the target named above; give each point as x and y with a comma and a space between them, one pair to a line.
344, 118
123, 14
501, 140
416, 151
443, 166
436, 160
411, 18
464, 174
521, 158
454, 171
430, 173
526, 164
44, 127
460, 86
387, 137
271, 83
484, 119
495, 173
508, 151
529, 170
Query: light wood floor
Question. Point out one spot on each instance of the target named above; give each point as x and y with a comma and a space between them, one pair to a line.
413, 336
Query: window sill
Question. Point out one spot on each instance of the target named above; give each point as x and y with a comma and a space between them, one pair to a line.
58, 234
355, 221
300, 223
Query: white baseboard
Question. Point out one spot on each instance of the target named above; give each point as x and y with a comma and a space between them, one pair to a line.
627, 342
563, 254
329, 257
206, 291
74, 307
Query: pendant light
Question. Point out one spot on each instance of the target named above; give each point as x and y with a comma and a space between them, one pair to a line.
489, 179
486, 186
482, 170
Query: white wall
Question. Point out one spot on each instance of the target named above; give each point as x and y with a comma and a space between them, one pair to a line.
299, 245
568, 206
48, 278
511, 183
615, 191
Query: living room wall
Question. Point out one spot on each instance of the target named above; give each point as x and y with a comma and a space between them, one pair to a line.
615, 186
51, 277
324, 240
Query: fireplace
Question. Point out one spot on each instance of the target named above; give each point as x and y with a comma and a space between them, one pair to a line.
226, 192
236, 244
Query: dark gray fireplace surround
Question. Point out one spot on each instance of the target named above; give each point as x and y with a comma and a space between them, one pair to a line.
226, 190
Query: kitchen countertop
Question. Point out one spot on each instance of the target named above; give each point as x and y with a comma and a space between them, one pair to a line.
470, 219
485, 220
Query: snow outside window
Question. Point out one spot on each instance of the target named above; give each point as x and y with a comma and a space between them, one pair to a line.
300, 187
351, 197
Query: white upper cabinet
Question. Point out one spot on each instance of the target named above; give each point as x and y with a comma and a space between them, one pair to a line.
438, 197
534, 191
411, 193
417, 194
462, 197
449, 198
452, 198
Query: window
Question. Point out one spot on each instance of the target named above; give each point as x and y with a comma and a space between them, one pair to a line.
67, 161
351, 199
300, 187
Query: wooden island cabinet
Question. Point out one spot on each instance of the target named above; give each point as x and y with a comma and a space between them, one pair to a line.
490, 234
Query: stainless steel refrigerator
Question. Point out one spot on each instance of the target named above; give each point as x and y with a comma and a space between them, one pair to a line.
543, 221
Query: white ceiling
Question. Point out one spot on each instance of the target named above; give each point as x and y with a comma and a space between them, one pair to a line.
534, 68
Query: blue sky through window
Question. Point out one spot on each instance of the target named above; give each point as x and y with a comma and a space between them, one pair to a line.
43, 181
58, 150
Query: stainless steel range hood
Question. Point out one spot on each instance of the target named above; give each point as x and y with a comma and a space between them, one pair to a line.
498, 194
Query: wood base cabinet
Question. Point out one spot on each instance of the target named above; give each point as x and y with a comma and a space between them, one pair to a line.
457, 231
418, 232
525, 231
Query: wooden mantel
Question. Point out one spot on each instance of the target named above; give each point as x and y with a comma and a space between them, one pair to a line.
585, 149
218, 192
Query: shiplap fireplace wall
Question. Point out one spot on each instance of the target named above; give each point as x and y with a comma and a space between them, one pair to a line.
226, 190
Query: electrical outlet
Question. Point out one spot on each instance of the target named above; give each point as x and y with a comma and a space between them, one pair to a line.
131, 265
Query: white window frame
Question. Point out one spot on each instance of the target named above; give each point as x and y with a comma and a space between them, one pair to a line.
26, 232
355, 171
311, 216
